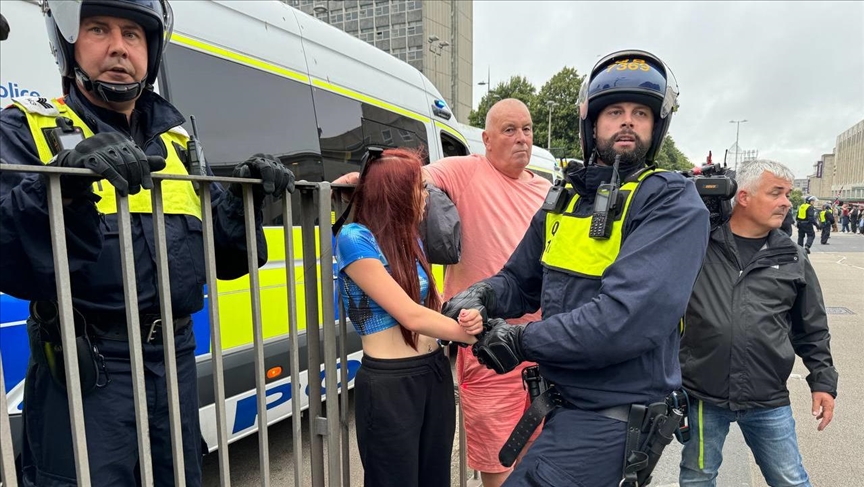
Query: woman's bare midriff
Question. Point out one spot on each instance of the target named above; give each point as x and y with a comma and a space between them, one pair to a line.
389, 344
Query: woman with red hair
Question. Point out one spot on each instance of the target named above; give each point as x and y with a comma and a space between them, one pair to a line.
405, 410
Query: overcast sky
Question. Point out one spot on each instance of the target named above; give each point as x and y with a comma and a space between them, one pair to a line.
794, 70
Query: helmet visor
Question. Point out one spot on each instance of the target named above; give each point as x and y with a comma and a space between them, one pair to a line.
67, 16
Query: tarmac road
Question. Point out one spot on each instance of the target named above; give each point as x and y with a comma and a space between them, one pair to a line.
832, 457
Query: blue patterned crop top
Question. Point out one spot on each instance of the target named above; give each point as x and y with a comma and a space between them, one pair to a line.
353, 243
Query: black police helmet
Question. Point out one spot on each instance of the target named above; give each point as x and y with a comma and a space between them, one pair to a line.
63, 18
628, 76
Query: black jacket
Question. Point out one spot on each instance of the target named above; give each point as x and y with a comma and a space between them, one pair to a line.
743, 328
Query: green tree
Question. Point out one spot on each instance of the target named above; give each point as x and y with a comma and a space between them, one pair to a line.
671, 158
796, 197
516, 87
562, 89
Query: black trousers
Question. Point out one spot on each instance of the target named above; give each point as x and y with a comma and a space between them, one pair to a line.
826, 232
109, 418
406, 418
806, 229
575, 449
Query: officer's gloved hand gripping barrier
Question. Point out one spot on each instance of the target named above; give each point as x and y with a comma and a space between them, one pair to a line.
115, 158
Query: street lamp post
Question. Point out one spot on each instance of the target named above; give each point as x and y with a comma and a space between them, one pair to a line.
737, 132
320, 9
549, 126
488, 82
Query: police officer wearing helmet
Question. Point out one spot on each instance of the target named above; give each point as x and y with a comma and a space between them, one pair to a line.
111, 121
806, 219
826, 221
611, 296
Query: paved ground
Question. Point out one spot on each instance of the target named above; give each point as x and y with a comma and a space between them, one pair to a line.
832, 457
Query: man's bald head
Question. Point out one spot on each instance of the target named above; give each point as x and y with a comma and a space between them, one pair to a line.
506, 105
509, 137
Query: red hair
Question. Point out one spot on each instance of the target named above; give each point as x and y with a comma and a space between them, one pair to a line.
386, 203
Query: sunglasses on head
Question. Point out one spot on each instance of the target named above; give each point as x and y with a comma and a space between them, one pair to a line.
373, 153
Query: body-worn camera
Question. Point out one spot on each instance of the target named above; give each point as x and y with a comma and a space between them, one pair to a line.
716, 187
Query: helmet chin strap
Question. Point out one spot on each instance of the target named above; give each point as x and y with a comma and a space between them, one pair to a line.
110, 92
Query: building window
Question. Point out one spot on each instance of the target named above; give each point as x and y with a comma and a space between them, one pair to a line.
383, 34
382, 10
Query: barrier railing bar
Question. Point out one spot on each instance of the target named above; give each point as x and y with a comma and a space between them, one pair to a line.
133, 330
161, 177
257, 333
313, 364
215, 335
7, 455
293, 339
325, 239
67, 330
164, 280
344, 406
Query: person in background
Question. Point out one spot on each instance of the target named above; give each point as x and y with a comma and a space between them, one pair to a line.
496, 197
756, 305
806, 219
405, 406
788, 222
827, 221
854, 216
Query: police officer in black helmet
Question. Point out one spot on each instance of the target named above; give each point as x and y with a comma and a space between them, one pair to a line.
110, 121
611, 261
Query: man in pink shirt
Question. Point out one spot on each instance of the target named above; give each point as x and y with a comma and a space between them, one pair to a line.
496, 198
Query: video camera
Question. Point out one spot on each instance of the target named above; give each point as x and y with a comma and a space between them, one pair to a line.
716, 187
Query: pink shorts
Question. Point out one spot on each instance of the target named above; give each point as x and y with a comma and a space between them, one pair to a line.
492, 404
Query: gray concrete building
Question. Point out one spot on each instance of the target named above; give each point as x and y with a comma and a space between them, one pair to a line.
849, 164
823, 177
840, 174
434, 36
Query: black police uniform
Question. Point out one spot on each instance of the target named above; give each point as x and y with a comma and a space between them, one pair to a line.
806, 220
27, 272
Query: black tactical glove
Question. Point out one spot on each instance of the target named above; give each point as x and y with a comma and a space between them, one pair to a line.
277, 178
115, 157
4, 28
479, 296
500, 348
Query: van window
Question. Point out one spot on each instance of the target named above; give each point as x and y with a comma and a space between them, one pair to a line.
348, 126
451, 146
241, 111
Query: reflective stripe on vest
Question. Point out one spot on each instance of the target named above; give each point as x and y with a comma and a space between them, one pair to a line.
178, 197
568, 247
802, 211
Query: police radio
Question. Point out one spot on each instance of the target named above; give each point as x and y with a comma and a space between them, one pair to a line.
556, 198
197, 165
65, 137
604, 206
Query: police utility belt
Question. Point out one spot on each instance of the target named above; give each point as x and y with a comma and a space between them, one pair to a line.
106, 326
649, 427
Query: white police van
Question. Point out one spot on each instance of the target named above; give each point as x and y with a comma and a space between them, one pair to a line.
259, 77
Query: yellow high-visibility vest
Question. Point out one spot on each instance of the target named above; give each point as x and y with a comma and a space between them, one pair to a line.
178, 197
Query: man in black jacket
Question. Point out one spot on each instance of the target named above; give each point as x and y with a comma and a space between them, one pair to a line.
756, 304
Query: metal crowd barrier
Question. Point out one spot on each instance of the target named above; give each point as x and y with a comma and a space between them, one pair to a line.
330, 427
